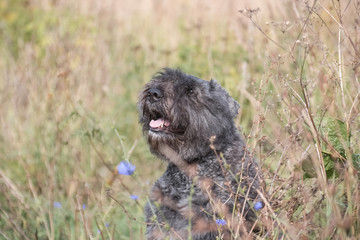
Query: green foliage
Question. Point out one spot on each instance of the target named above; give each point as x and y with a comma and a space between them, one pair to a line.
335, 143
335, 136
22, 23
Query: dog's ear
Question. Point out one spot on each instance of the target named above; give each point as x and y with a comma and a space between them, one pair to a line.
232, 103
234, 106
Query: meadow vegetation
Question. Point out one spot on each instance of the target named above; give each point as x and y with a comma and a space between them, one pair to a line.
70, 74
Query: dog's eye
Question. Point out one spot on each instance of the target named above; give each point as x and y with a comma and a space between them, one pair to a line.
190, 91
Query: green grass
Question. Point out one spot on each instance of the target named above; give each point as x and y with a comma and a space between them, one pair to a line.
70, 75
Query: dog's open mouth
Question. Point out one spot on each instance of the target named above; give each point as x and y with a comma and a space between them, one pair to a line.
159, 125
163, 125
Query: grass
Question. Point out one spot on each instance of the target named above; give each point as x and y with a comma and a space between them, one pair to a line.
71, 73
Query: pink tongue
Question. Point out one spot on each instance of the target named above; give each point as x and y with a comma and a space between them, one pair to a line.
159, 123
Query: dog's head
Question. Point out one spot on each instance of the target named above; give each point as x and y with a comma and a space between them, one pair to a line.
184, 111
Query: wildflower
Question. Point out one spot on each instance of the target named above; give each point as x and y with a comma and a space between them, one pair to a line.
220, 222
125, 168
258, 206
134, 197
57, 205
84, 206
106, 225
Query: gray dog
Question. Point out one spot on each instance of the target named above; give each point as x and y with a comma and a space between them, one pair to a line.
211, 185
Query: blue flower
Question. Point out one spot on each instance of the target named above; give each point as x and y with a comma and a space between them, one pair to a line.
220, 222
57, 205
134, 197
106, 225
125, 168
258, 206
84, 206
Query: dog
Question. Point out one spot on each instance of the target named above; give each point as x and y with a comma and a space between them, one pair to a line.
212, 182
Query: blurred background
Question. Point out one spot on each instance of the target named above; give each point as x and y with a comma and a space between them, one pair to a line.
70, 74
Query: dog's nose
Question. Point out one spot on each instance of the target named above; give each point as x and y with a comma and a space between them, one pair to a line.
154, 94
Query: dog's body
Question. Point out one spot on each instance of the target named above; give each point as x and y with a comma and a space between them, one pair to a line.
210, 176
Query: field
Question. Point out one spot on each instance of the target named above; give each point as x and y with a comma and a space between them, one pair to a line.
70, 74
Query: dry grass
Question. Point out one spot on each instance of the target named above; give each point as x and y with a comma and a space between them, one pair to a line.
69, 78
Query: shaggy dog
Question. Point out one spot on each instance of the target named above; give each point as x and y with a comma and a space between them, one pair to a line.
211, 183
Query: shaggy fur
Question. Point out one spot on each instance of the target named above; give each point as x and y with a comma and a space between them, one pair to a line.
210, 175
